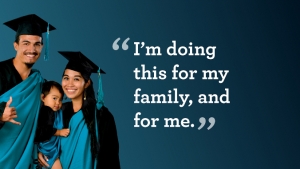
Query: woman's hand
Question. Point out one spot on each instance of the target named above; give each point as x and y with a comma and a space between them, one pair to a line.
42, 161
64, 132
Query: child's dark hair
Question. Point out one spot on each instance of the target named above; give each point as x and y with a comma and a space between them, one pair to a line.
49, 84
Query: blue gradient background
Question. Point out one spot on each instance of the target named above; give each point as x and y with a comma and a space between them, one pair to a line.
257, 41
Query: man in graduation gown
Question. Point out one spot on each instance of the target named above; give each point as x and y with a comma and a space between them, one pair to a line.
20, 89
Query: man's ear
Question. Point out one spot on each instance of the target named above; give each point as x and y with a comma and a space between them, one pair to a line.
42, 97
87, 84
16, 46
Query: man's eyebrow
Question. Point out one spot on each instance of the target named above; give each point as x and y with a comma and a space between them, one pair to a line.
25, 41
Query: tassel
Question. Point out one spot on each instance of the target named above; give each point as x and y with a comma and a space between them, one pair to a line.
99, 104
100, 94
46, 56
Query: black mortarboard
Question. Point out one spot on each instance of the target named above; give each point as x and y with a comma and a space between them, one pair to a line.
29, 25
80, 63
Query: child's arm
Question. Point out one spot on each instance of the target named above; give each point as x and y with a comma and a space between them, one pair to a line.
62, 132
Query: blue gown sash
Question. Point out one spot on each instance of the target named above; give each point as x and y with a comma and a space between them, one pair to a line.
16, 142
76, 148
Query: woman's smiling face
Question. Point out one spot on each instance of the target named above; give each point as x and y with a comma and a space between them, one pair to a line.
73, 84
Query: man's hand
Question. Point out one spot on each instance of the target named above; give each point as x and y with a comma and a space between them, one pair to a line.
64, 132
42, 160
9, 113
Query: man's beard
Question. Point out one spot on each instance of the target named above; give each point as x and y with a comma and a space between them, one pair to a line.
29, 65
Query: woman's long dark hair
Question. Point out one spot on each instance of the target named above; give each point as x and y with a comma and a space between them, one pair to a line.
88, 109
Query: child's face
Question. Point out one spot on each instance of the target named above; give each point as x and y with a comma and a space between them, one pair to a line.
53, 99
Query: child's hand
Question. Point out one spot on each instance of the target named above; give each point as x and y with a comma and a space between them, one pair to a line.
64, 132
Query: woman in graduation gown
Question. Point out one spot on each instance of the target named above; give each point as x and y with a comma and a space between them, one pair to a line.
93, 141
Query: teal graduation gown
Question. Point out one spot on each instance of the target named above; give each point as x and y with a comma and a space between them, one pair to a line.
16, 142
9, 78
75, 149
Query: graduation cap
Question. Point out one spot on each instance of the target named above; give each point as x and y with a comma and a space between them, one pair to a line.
31, 25
80, 63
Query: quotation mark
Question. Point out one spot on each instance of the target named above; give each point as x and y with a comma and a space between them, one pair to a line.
115, 45
202, 121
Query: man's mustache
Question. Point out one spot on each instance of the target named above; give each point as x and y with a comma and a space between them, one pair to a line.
30, 53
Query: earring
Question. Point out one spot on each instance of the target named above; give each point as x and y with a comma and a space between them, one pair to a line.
84, 98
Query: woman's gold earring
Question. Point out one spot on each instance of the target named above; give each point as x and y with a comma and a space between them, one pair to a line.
84, 98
